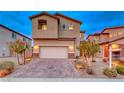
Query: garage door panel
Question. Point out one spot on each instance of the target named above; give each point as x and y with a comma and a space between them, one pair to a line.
53, 52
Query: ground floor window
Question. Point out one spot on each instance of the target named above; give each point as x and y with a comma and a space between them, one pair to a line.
116, 55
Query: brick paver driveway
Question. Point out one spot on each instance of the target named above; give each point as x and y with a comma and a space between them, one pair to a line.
47, 68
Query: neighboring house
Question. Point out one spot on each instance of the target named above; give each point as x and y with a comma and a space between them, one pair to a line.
94, 37
8, 35
111, 37
55, 36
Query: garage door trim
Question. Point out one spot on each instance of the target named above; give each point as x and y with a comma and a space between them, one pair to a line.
51, 47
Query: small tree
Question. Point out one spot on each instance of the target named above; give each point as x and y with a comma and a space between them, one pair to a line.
85, 50
94, 49
88, 50
19, 47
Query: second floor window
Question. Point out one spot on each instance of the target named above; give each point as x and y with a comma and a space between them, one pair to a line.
14, 35
71, 27
24, 39
120, 33
42, 24
67, 27
64, 26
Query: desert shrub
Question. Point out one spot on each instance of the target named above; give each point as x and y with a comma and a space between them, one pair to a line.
120, 69
6, 68
77, 57
110, 72
80, 65
93, 60
78, 60
105, 59
90, 71
7, 65
4, 72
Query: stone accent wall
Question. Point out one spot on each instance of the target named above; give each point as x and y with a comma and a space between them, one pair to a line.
71, 55
35, 55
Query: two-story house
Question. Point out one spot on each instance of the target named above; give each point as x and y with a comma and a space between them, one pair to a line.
55, 36
8, 35
111, 37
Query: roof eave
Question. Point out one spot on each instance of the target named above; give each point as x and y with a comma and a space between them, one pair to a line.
14, 31
58, 14
41, 14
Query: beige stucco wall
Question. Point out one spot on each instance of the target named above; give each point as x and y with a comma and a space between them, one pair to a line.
56, 31
116, 33
104, 38
75, 33
116, 30
92, 38
54, 43
121, 41
69, 33
52, 28
5, 38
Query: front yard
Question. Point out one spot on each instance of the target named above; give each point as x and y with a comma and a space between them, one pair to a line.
12, 59
8, 65
58, 68
47, 68
97, 67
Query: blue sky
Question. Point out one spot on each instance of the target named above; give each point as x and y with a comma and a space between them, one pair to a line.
93, 21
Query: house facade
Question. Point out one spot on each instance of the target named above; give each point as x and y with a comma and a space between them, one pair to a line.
8, 35
110, 37
55, 36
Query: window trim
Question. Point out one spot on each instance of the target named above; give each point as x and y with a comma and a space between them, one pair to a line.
41, 24
24, 39
64, 27
13, 35
69, 26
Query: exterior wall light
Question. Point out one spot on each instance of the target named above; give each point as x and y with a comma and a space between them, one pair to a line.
115, 46
71, 47
36, 47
